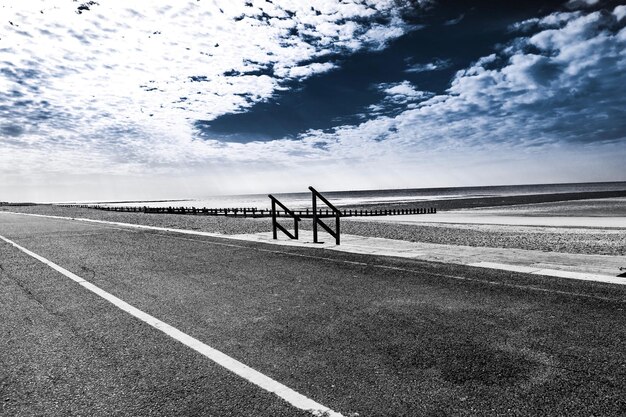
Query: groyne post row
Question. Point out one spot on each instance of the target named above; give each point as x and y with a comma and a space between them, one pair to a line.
254, 212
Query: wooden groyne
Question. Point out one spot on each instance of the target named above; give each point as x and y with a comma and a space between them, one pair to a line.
254, 212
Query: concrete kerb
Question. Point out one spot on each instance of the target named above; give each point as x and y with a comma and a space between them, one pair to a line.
525, 261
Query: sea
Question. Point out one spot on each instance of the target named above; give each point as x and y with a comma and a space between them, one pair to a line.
297, 201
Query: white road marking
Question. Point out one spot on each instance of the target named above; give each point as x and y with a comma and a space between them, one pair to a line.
292, 397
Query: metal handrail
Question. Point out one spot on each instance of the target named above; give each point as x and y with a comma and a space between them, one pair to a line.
316, 218
276, 225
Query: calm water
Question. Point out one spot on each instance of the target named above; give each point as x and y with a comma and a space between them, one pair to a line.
344, 198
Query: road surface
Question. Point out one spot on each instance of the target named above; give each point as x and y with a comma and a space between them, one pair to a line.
361, 335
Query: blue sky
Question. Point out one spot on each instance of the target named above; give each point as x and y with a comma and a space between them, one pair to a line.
163, 99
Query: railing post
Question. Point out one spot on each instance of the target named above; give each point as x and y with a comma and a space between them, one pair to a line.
337, 228
287, 212
314, 217
274, 220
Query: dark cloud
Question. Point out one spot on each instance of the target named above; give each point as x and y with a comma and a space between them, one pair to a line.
86, 6
544, 71
11, 130
22, 76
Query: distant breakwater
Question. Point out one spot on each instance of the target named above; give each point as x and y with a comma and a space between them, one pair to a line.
254, 212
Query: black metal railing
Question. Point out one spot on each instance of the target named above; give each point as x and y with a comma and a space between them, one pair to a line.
277, 226
318, 221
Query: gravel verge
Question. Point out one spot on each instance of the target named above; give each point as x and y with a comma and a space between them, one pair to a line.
547, 239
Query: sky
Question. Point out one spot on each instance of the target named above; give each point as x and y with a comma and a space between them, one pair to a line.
155, 99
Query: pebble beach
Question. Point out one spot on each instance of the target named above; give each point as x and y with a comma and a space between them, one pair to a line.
578, 240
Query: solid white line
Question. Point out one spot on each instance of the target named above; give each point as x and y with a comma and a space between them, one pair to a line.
292, 397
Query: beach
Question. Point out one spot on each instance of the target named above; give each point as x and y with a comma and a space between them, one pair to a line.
514, 230
594, 226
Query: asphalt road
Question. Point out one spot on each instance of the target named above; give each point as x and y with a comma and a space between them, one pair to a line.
359, 334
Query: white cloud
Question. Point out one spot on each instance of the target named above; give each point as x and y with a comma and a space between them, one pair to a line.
555, 20
114, 91
379, 35
402, 91
305, 71
123, 81
620, 12
566, 92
